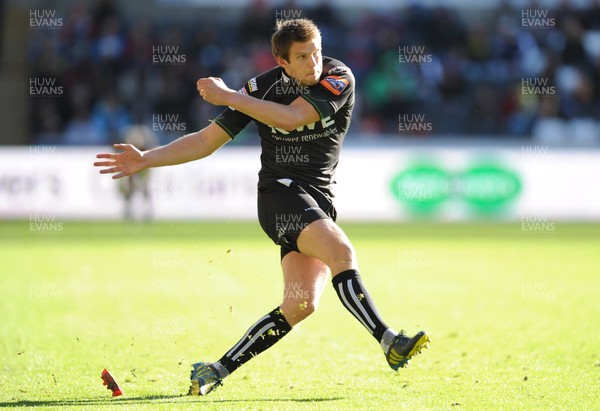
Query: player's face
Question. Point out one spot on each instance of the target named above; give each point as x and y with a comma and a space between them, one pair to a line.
305, 62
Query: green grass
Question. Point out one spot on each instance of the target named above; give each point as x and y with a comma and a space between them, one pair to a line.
513, 316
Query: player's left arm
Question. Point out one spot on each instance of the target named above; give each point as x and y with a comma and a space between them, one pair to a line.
288, 117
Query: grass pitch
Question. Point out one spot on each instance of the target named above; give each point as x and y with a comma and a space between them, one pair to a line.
513, 315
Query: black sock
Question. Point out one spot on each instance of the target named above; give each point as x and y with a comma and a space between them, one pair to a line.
355, 297
262, 335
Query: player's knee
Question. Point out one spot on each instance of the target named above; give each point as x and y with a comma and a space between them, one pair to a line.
343, 254
297, 310
347, 251
306, 305
305, 309
309, 306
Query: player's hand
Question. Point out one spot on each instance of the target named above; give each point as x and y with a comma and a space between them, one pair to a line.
126, 163
214, 91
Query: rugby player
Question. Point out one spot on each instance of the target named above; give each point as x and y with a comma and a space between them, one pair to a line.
302, 108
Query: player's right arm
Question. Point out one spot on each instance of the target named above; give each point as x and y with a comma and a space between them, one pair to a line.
190, 147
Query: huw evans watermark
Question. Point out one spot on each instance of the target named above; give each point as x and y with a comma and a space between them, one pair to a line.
414, 190
536, 152
414, 124
413, 55
44, 19
537, 223
287, 14
168, 259
288, 223
168, 123
291, 155
290, 87
294, 290
168, 191
537, 19
45, 291
537, 291
42, 152
537, 86
44, 87
414, 259
44, 223
167, 56
168, 327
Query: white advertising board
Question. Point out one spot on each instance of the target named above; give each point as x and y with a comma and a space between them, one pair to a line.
444, 184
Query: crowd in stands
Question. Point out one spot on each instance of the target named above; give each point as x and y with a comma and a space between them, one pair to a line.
487, 73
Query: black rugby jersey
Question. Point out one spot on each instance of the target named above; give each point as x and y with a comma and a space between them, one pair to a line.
310, 153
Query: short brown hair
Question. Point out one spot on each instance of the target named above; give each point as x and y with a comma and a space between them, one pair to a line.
290, 31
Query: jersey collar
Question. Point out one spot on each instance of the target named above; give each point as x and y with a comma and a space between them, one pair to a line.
285, 77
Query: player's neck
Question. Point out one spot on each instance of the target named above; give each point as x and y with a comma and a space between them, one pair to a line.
289, 79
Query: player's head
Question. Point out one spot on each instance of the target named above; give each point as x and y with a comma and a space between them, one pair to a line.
296, 46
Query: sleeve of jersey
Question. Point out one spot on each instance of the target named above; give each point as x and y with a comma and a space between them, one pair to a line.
232, 121
332, 92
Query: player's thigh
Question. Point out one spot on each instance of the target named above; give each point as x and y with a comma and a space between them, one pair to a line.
304, 278
325, 240
286, 208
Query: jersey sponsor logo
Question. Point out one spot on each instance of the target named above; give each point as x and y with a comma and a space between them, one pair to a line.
252, 85
334, 84
338, 70
242, 90
325, 123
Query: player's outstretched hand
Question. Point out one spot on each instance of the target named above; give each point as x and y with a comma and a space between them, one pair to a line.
125, 163
214, 91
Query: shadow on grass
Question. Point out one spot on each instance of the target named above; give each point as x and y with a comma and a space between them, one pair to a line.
152, 399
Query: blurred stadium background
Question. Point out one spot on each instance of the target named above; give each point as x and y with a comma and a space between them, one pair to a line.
465, 111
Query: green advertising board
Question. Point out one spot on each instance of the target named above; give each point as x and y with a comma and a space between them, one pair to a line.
485, 187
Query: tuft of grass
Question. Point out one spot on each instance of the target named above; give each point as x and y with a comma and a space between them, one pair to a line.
512, 314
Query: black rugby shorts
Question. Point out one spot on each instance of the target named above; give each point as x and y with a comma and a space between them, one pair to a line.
286, 207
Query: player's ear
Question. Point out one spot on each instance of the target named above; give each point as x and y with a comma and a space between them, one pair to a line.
281, 61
